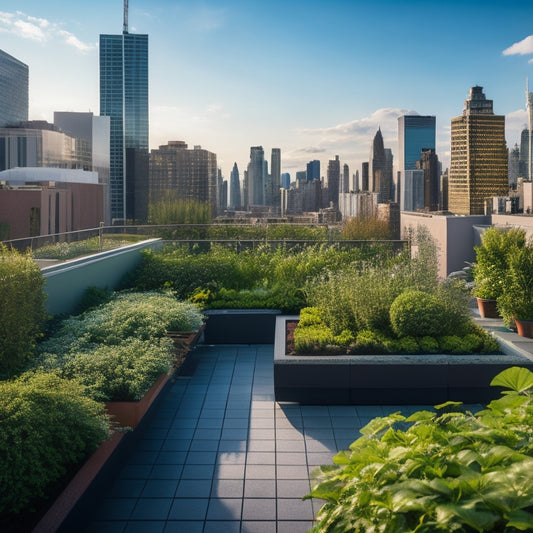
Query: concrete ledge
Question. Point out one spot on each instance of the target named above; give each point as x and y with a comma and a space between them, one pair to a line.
392, 379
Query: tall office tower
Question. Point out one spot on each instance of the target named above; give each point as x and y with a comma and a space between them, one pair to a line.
188, 174
364, 177
256, 169
92, 136
301, 177
345, 179
430, 165
275, 177
124, 98
514, 166
286, 180
524, 159
234, 188
222, 192
529, 106
313, 170
478, 167
13, 90
380, 169
387, 194
356, 182
334, 178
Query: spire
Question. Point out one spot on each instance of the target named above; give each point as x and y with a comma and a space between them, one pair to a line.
125, 26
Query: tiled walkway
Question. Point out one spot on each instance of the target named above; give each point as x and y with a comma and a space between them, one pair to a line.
221, 456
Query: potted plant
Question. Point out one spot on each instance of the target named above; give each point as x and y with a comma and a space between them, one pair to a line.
491, 266
516, 302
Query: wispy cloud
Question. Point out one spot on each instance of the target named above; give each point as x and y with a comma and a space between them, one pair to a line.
40, 30
523, 47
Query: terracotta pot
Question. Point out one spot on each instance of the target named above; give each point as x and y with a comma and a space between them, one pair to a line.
524, 328
487, 308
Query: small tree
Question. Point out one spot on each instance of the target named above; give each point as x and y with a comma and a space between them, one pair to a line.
22, 311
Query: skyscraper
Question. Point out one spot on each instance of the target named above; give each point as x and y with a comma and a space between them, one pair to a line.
124, 98
313, 170
529, 106
275, 177
523, 158
345, 179
514, 166
415, 133
478, 167
256, 169
13, 90
380, 169
334, 178
234, 188
190, 174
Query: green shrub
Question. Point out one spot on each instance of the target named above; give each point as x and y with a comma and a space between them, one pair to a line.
344, 339
442, 471
416, 313
117, 373
312, 339
428, 344
408, 345
47, 426
22, 311
94, 297
309, 316
370, 342
451, 344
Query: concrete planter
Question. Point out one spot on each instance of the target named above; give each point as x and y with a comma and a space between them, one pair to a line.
387, 379
240, 326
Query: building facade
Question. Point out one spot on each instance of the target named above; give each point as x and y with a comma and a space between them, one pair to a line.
313, 170
183, 173
235, 189
380, 169
334, 178
92, 134
256, 170
124, 98
478, 167
14, 83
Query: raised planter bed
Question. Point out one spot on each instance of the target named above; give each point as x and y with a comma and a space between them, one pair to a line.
240, 326
389, 379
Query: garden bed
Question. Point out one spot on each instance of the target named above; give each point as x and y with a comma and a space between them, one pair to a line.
387, 379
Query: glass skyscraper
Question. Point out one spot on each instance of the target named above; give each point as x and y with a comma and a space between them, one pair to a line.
124, 98
13, 90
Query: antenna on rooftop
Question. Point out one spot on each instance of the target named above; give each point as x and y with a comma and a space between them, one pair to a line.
125, 27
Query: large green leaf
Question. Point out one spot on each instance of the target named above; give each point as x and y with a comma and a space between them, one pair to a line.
521, 520
515, 378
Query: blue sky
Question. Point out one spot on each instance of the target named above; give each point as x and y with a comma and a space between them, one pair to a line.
314, 78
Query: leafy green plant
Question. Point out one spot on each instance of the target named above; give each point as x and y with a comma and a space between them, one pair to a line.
22, 310
492, 260
48, 425
416, 313
448, 470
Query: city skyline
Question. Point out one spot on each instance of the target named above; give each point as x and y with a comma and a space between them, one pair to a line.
233, 75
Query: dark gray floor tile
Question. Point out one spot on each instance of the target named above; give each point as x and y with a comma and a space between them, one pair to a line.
203, 445
313, 445
292, 488
260, 471
184, 526
171, 458
238, 413
259, 509
115, 509
224, 509
126, 488
166, 472
236, 423
262, 445
106, 527
234, 433
194, 488
143, 458
231, 458
294, 509
294, 526
201, 458
176, 445
291, 472
293, 445
151, 509
232, 446
260, 488
227, 488
232, 471
291, 458
213, 434
214, 526
198, 471
135, 472
189, 509
249, 526
148, 445
260, 458
160, 488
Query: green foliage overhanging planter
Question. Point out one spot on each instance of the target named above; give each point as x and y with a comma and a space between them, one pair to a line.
119, 349
449, 470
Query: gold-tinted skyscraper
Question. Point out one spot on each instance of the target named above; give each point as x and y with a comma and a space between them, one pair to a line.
478, 168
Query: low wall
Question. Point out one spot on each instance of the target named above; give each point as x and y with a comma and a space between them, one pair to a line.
67, 282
